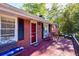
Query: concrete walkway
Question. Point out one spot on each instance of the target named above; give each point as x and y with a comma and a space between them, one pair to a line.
63, 47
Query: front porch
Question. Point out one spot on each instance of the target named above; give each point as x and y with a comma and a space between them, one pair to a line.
63, 47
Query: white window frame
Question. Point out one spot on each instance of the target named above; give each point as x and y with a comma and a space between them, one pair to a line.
47, 25
16, 25
31, 32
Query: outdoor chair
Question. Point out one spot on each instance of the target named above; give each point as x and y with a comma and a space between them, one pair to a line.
68, 36
13, 51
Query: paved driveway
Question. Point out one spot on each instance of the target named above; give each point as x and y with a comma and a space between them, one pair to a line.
63, 47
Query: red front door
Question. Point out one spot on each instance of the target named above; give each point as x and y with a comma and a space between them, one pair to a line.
33, 32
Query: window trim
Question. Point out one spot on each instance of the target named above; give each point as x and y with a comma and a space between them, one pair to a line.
31, 32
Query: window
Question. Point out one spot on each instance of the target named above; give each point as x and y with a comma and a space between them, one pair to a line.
20, 29
45, 30
7, 29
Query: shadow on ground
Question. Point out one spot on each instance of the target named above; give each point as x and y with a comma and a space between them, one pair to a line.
50, 48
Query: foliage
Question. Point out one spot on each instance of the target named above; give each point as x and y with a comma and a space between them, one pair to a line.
54, 12
67, 18
35, 8
71, 19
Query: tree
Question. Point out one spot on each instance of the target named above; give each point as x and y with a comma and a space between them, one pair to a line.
35, 8
67, 18
71, 19
55, 15
55, 12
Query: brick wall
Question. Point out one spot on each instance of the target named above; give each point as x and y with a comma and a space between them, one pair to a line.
26, 41
39, 31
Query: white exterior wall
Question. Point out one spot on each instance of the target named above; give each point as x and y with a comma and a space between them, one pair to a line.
16, 29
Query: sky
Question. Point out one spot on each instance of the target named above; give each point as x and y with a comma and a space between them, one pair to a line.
18, 5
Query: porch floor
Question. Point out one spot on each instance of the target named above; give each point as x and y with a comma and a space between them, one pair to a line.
63, 47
